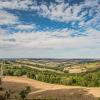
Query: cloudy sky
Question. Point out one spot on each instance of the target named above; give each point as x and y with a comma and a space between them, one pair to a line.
50, 28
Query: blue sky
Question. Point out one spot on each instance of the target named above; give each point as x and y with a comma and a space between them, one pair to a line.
50, 28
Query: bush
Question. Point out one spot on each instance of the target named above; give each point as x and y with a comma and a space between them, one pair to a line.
18, 73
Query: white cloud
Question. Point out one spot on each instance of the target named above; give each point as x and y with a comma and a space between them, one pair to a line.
61, 12
56, 43
65, 13
93, 33
59, 1
58, 39
7, 18
16, 4
25, 27
2, 34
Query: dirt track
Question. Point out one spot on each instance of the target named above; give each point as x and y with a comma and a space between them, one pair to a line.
45, 90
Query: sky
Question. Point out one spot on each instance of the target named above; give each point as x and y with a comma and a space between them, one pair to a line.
49, 28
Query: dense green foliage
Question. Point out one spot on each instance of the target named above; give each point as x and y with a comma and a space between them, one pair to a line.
89, 79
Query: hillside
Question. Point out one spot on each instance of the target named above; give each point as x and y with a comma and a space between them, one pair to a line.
46, 90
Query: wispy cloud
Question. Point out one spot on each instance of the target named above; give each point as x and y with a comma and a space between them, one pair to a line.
65, 12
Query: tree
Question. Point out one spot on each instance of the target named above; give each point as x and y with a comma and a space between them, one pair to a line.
23, 94
31, 75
